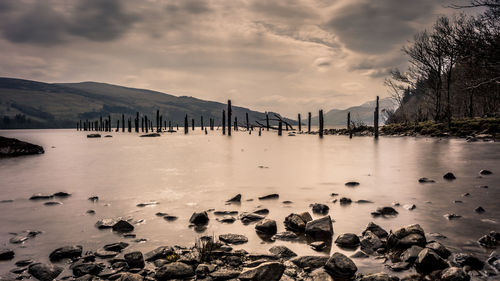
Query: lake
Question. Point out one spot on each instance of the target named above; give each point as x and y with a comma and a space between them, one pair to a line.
194, 172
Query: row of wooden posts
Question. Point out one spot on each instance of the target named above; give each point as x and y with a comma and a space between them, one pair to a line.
146, 124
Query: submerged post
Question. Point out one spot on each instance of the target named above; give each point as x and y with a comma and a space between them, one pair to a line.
260, 131
146, 123
300, 124
309, 122
201, 122
229, 113
375, 120
157, 120
123, 123
137, 122
161, 123
129, 125
248, 124
109, 123
321, 123
349, 124
186, 128
192, 124
223, 122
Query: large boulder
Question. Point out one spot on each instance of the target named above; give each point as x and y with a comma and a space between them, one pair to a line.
14, 147
340, 266
347, 240
310, 261
406, 237
454, 274
439, 249
295, 222
376, 229
134, 259
282, 252
321, 228
266, 227
463, 259
123, 226
269, 271
68, 252
370, 242
199, 218
410, 255
44, 272
175, 270
429, 261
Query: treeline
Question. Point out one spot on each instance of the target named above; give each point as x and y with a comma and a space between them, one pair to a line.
454, 68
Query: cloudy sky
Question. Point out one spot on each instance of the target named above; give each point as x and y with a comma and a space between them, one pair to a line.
283, 55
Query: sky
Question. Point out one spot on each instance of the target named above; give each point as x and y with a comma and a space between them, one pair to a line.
286, 56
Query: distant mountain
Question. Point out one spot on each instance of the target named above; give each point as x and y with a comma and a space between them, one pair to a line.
359, 114
31, 104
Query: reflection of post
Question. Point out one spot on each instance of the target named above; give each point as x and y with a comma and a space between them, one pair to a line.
280, 128
223, 122
229, 120
309, 122
186, 124
375, 120
321, 123
349, 124
300, 124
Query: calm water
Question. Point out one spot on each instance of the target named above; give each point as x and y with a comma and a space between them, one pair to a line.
200, 172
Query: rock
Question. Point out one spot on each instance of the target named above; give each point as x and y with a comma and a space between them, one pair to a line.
406, 237
61, 194
362, 201
345, 201
144, 204
261, 211
340, 266
134, 259
410, 255
247, 218
352, 183
94, 198
347, 240
92, 136
40, 196
160, 252
370, 242
387, 211
282, 252
224, 274
52, 203
375, 229
454, 274
311, 262
225, 213
175, 270
376, 277
468, 260
115, 247
44, 272
359, 255
18, 239
22, 263
269, 271
233, 238
449, 176
170, 218
426, 180
103, 254
439, 249
318, 208
68, 252
267, 227
123, 226
287, 202
270, 196
130, 277
10, 147
429, 261
6, 254
108, 136
295, 222
285, 236
200, 218
399, 266
152, 135
466, 194
485, 172
235, 199
306, 217
318, 245
452, 216
321, 228
105, 223
226, 219
409, 207
320, 275
81, 268
488, 241
6, 201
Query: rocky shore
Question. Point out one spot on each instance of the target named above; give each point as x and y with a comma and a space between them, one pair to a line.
10, 147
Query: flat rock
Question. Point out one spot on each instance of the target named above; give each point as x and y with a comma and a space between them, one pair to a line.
10, 147
454, 274
270, 196
115, 247
340, 266
285, 236
269, 271
426, 180
233, 238
312, 262
44, 272
485, 172
247, 218
352, 183
225, 213
61, 194
103, 254
67, 252
226, 219
160, 252
144, 204
261, 211
41, 196
175, 270
93, 136
52, 203
282, 252
152, 135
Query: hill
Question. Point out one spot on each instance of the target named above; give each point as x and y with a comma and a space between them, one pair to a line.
32, 104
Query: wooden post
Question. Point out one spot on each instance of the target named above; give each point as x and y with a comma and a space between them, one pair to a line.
349, 124
201, 120
142, 124
186, 128
157, 121
100, 123
118, 125
109, 123
309, 122
161, 123
248, 123
146, 123
229, 119
375, 120
206, 132
192, 124
129, 125
177, 126
223, 122
260, 131
169, 125
321, 123
300, 124
280, 128
267, 121
123, 123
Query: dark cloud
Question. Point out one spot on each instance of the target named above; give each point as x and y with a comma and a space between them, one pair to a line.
285, 9
378, 26
40, 23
